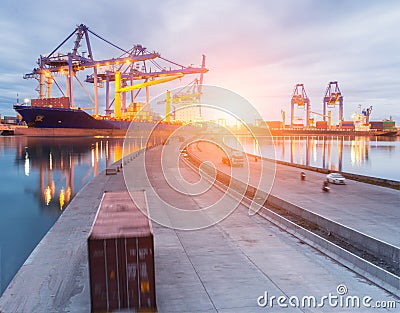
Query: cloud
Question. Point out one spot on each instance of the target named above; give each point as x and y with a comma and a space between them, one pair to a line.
259, 51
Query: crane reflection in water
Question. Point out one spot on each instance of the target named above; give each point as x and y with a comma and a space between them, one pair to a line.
355, 154
66, 165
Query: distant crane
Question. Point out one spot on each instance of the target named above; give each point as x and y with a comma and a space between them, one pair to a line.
300, 99
135, 64
333, 96
187, 95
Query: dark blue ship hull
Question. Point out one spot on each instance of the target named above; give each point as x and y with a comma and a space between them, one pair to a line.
44, 117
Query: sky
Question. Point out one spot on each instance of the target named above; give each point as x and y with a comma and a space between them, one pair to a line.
257, 49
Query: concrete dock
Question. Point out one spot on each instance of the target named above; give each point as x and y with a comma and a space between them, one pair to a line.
227, 267
369, 209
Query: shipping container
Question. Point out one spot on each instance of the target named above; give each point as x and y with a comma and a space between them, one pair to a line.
347, 125
298, 125
60, 103
389, 125
274, 124
321, 125
376, 125
10, 120
121, 255
383, 125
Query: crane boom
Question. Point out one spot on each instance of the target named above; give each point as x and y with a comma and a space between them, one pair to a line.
119, 89
135, 64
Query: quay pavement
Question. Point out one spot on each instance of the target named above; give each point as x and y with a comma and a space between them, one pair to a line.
232, 266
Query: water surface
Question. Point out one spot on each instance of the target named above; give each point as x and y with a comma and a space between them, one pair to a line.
371, 156
38, 178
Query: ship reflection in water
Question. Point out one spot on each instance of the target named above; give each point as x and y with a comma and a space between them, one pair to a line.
66, 165
371, 156
38, 179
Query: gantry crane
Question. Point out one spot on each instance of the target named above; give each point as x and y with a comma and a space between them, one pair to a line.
186, 96
133, 69
300, 99
333, 96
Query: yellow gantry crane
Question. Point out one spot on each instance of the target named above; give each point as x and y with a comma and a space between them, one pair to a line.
155, 78
119, 89
188, 95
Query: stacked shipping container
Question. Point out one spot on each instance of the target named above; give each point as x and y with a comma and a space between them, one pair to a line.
321, 125
347, 125
383, 125
274, 124
60, 103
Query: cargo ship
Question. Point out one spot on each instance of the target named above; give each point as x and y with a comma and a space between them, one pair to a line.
61, 120
359, 126
44, 117
330, 132
322, 129
133, 70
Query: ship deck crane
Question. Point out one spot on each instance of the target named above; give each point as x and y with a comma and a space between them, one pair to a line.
367, 113
333, 96
135, 64
300, 99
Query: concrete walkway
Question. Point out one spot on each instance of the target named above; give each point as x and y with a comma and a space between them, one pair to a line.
221, 268
370, 209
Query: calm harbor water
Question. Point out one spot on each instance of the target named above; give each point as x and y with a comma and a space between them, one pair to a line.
371, 156
38, 178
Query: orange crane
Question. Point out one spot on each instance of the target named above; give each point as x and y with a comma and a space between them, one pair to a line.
333, 96
300, 99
